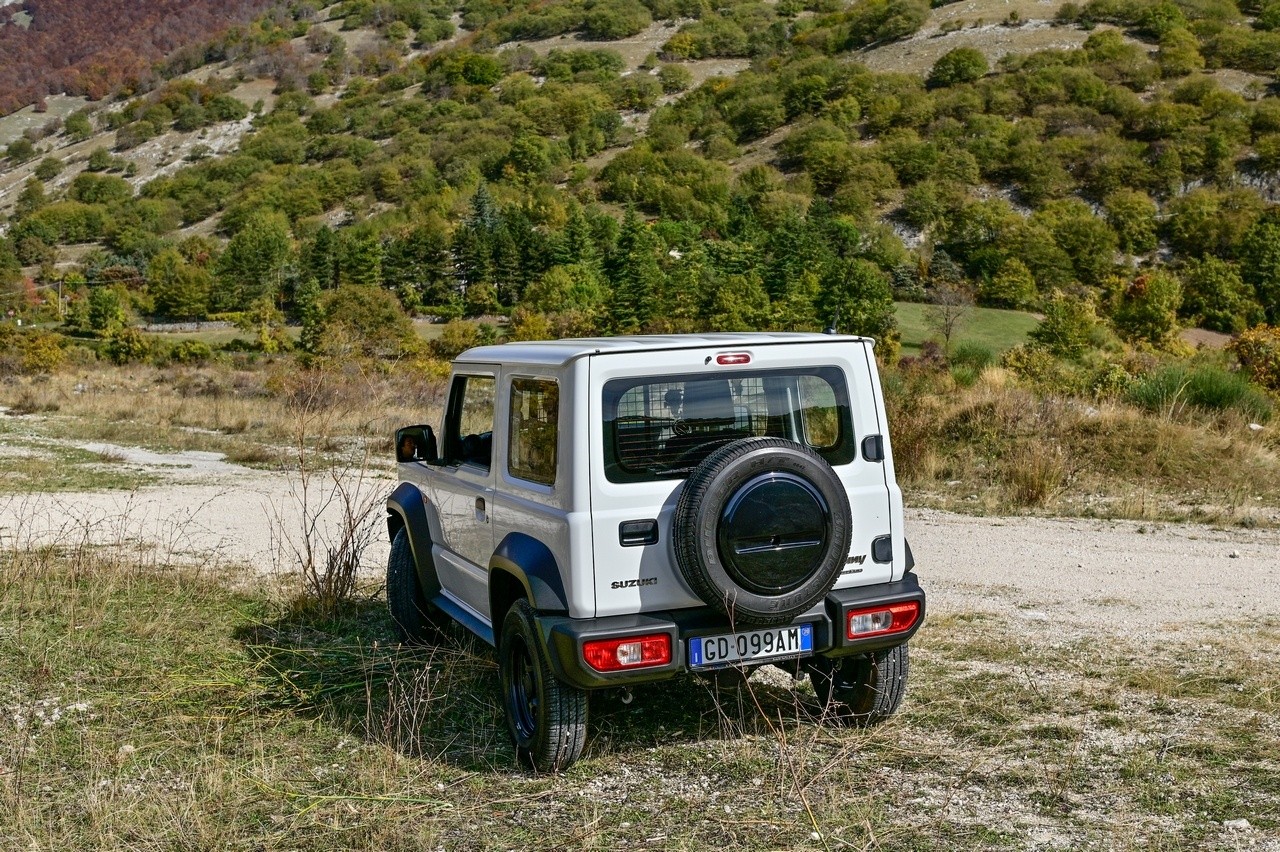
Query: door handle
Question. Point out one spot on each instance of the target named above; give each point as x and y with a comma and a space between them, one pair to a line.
480, 513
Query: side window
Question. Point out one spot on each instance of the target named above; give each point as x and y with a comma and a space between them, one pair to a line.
535, 411
469, 427
818, 413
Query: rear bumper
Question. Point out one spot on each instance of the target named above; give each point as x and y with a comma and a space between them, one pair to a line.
564, 637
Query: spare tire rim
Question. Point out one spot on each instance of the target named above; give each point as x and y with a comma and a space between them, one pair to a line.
774, 533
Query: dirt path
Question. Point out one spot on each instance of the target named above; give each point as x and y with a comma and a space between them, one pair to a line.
1080, 575
218, 515
1070, 576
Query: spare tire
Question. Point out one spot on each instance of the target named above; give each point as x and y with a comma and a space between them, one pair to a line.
762, 530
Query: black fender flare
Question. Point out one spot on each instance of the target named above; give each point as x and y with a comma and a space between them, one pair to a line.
408, 509
534, 566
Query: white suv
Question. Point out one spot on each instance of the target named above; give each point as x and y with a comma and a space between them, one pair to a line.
614, 511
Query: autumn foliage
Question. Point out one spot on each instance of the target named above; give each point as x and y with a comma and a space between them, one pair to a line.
93, 47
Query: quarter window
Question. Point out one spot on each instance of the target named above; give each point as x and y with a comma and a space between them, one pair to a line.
535, 411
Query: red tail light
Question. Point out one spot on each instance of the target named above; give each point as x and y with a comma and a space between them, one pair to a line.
633, 652
880, 620
734, 358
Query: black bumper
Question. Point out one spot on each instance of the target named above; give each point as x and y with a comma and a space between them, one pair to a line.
564, 636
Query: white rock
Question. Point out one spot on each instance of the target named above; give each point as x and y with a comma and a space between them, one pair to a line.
1236, 825
1235, 554
1255, 427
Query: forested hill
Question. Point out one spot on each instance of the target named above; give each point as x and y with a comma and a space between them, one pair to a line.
94, 47
461, 160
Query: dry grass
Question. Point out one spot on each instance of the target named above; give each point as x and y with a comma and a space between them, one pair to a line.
153, 708
994, 447
251, 415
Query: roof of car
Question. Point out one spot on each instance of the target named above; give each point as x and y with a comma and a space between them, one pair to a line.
555, 352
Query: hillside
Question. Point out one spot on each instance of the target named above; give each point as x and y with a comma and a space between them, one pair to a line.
581, 167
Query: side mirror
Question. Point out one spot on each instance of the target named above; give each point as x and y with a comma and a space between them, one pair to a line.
416, 443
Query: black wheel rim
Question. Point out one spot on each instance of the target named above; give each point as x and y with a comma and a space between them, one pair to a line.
522, 690
773, 533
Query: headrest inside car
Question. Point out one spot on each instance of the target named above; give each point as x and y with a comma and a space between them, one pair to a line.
708, 400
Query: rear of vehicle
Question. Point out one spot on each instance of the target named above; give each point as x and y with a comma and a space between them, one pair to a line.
615, 511
744, 510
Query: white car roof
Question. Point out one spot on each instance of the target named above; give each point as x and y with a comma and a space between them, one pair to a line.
557, 352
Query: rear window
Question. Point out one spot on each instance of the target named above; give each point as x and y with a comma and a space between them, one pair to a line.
662, 427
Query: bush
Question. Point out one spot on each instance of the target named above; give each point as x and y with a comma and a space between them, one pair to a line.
30, 352
1067, 325
972, 355
191, 352
456, 337
674, 78
961, 65
1147, 310
49, 168
126, 346
1040, 369
1259, 352
1173, 388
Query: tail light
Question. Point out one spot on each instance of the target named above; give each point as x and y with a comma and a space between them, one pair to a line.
633, 652
881, 620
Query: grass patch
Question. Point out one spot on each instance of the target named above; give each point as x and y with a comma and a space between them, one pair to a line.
994, 448
32, 464
1173, 388
986, 328
159, 708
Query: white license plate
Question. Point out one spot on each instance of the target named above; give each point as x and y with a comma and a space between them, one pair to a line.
750, 646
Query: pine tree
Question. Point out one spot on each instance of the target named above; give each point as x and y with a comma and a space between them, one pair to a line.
634, 275
361, 260
321, 259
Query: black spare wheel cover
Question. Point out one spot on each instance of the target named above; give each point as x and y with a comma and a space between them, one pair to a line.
762, 530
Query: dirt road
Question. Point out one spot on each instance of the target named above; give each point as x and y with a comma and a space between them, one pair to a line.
1067, 575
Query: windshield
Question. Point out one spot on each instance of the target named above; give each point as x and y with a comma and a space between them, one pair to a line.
661, 427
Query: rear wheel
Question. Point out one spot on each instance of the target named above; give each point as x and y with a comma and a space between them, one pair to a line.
409, 608
863, 690
547, 719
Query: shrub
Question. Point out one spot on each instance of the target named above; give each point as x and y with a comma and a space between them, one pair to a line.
674, 78
456, 337
1039, 368
191, 352
961, 65
1147, 310
127, 345
49, 168
1067, 325
972, 355
1175, 387
1259, 352
30, 352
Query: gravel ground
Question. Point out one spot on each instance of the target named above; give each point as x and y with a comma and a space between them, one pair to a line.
1065, 575
1123, 577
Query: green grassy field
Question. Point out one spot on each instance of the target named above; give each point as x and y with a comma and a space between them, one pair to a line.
997, 330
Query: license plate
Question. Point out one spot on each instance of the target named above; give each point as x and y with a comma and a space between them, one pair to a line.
750, 646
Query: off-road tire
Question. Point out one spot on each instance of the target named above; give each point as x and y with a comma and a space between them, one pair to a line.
547, 719
713, 488
863, 690
413, 616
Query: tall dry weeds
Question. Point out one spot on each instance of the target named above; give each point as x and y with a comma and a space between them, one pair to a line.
338, 495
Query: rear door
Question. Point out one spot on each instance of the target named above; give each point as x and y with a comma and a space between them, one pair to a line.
649, 417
